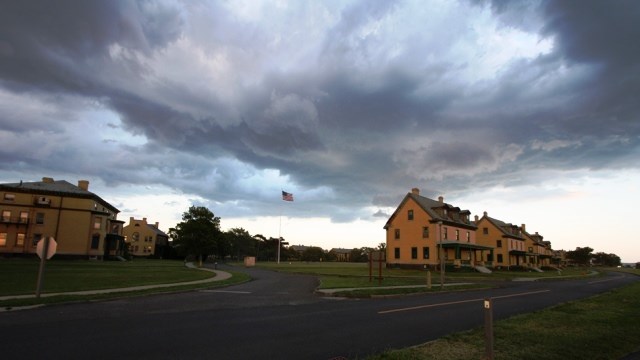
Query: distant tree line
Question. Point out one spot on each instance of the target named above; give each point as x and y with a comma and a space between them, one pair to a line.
585, 256
198, 235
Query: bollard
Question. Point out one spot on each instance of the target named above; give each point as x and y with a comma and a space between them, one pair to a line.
429, 279
488, 329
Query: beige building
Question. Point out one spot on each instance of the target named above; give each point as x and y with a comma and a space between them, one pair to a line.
144, 239
82, 223
422, 231
507, 240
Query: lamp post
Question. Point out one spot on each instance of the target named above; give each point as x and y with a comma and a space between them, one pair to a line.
441, 256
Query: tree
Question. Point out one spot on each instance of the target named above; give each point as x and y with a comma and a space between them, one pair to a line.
241, 243
604, 259
198, 234
581, 256
313, 253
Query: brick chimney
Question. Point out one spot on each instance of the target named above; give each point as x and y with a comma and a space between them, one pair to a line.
523, 228
83, 184
157, 225
477, 218
440, 199
415, 191
485, 214
47, 180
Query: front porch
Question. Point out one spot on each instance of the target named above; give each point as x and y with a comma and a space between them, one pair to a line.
465, 254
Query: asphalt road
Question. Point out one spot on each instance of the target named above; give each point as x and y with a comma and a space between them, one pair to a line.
276, 316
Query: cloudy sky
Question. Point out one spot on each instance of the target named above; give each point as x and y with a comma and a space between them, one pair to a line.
527, 110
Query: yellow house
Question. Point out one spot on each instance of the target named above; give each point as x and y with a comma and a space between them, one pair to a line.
420, 228
144, 239
507, 239
82, 223
538, 251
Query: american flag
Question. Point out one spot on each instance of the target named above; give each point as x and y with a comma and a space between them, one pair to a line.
287, 196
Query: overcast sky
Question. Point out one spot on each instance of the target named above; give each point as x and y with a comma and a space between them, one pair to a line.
527, 110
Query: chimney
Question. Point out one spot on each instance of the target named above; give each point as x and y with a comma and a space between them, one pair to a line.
485, 213
524, 228
440, 199
415, 191
144, 220
157, 225
47, 180
131, 219
477, 219
83, 184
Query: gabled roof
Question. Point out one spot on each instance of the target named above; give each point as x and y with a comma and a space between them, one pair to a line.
55, 188
430, 206
503, 227
156, 230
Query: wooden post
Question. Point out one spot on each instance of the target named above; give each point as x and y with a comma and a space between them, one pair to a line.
488, 329
429, 279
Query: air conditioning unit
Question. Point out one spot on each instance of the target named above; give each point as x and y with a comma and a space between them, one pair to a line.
43, 200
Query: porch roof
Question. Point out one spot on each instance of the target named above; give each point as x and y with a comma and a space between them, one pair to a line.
463, 245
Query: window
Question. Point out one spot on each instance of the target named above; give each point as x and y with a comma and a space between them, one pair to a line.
6, 215
489, 257
135, 236
410, 215
20, 239
425, 232
457, 235
397, 234
445, 234
468, 236
396, 253
36, 238
414, 252
425, 252
499, 243
24, 217
530, 249
95, 241
3, 239
97, 223
9, 197
39, 218
499, 258
485, 231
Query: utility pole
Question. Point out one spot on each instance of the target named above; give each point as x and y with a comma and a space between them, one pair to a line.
441, 256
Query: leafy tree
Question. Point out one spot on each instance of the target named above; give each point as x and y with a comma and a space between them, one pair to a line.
359, 255
314, 253
198, 234
241, 243
604, 259
581, 255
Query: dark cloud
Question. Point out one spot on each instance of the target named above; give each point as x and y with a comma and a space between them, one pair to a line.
372, 107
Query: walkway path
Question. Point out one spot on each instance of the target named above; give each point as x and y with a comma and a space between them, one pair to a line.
220, 275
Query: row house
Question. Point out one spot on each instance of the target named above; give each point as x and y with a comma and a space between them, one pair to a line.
82, 223
422, 231
506, 239
144, 239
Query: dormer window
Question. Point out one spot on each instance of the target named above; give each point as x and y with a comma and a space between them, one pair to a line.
410, 215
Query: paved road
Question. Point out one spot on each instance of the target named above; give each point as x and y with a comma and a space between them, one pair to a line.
276, 316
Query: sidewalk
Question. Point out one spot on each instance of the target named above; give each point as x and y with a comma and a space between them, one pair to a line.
220, 275
331, 292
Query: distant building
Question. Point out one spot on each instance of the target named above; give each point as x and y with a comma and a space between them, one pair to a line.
341, 254
144, 239
82, 223
420, 227
537, 254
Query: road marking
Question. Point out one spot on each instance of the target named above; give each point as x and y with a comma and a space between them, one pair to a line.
460, 302
226, 291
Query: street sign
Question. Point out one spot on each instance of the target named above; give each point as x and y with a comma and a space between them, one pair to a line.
51, 244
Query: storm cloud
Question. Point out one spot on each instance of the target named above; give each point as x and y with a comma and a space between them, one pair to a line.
342, 104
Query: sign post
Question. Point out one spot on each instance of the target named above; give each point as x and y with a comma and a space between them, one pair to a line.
45, 249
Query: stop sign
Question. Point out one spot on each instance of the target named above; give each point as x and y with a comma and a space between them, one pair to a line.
51, 247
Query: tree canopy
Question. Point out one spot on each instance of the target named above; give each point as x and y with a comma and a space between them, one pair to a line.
198, 234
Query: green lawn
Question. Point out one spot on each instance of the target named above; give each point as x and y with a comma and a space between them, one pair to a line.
602, 327
19, 276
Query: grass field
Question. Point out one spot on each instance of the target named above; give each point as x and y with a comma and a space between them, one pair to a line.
19, 277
